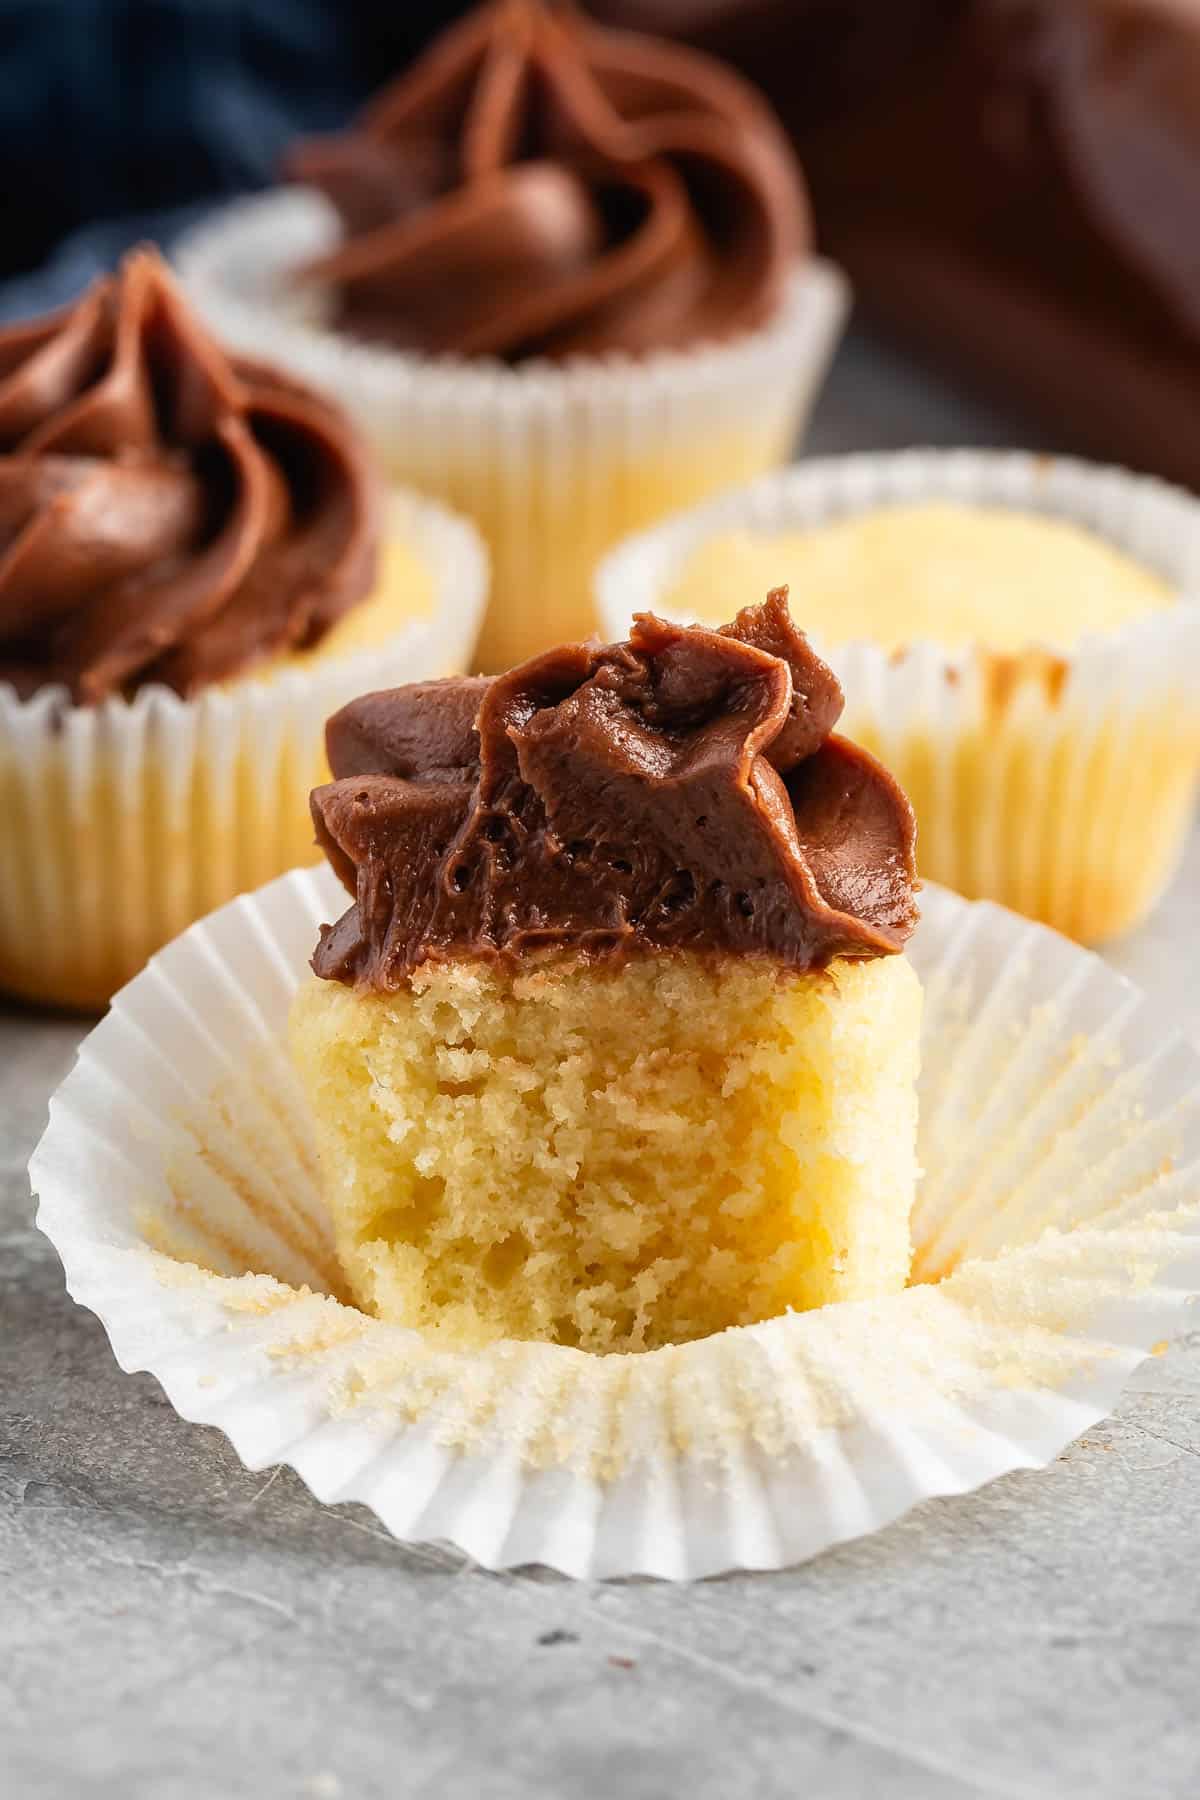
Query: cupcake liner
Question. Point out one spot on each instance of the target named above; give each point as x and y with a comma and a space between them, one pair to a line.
554, 462
1057, 1241
1061, 784
123, 822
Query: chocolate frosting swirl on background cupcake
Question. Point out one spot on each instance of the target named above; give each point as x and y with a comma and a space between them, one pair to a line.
682, 790
539, 186
166, 515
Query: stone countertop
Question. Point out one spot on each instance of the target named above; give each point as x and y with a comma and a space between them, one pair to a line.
175, 1628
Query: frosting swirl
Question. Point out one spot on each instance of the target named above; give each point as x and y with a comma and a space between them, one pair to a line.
681, 790
166, 515
536, 185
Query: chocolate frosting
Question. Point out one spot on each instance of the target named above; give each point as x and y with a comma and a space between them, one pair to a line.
166, 515
1012, 185
536, 185
681, 790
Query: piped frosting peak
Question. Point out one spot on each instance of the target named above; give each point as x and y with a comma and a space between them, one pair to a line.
166, 514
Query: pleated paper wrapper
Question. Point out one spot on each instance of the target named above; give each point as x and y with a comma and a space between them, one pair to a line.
1061, 784
554, 462
1057, 1238
121, 823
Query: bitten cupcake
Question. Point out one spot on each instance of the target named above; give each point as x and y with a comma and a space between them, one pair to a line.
563, 277
615, 1046
1020, 638
196, 561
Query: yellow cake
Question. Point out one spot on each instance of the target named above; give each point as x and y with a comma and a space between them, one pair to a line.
616, 1159
590, 1065
948, 574
1047, 771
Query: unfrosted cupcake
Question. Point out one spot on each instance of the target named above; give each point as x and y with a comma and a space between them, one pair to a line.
562, 276
614, 1046
196, 563
1020, 637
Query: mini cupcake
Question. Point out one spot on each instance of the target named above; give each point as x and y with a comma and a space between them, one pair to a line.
1020, 637
562, 277
615, 1046
196, 565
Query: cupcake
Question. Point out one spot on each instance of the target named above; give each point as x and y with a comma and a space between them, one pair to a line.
1021, 642
1056, 1243
561, 275
616, 1045
196, 565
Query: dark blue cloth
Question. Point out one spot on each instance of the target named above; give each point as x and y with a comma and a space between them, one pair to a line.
123, 119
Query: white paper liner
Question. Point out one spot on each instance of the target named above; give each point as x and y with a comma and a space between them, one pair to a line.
123, 822
1060, 1138
1069, 800
554, 462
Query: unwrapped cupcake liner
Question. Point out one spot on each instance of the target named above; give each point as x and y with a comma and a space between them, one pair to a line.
1057, 1236
121, 823
554, 462
1061, 784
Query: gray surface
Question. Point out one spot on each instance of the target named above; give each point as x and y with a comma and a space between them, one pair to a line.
172, 1627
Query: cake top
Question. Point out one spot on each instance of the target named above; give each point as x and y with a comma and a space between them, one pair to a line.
536, 185
948, 573
681, 790
166, 514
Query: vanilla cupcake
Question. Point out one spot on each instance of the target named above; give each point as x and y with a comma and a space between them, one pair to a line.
197, 563
1020, 638
563, 278
615, 1046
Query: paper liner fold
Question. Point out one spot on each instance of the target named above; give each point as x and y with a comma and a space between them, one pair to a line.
1061, 784
1061, 1142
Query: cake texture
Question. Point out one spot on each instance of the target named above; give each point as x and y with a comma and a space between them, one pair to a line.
616, 1157
614, 1046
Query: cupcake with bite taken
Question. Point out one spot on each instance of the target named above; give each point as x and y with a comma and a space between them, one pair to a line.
616, 1045
197, 559
563, 277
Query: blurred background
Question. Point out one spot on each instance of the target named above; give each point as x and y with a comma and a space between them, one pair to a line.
1010, 183
127, 119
